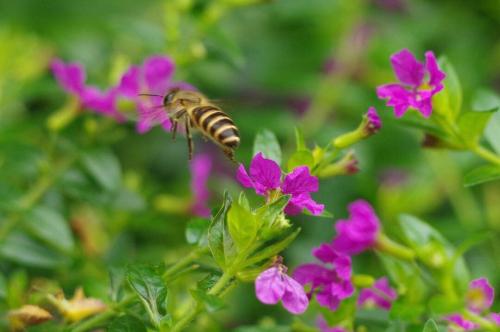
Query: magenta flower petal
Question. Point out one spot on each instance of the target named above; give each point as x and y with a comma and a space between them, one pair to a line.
303, 201
300, 181
408, 70
325, 253
201, 167
313, 274
323, 326
158, 71
71, 76
270, 286
381, 295
265, 174
359, 232
149, 116
495, 318
436, 75
130, 83
397, 97
243, 178
295, 299
457, 320
480, 295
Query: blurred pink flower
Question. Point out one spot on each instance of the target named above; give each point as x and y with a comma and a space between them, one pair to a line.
480, 295
71, 77
418, 83
359, 232
153, 77
201, 168
323, 326
273, 285
331, 285
381, 295
459, 323
265, 177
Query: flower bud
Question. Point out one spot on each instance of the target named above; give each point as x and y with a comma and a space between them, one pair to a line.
346, 166
370, 125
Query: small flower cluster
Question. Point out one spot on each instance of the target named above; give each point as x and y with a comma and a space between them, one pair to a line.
153, 77
265, 179
418, 83
479, 299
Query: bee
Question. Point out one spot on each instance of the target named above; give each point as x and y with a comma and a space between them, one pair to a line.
197, 111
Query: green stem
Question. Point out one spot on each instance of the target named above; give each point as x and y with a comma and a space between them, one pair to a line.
181, 264
39, 189
219, 289
385, 244
101, 318
486, 154
481, 321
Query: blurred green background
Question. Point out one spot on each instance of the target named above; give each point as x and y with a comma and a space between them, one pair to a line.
277, 64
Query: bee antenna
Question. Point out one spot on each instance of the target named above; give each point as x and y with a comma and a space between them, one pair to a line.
149, 94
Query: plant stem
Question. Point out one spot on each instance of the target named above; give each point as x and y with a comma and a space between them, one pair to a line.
486, 154
99, 319
41, 186
218, 289
193, 255
385, 244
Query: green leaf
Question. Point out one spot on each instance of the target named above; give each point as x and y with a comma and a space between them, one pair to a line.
3, 287
300, 142
104, 167
243, 201
430, 326
406, 311
481, 174
448, 101
147, 282
273, 249
267, 143
196, 231
242, 226
492, 132
442, 304
472, 125
126, 323
301, 158
217, 232
211, 302
49, 226
208, 282
267, 214
116, 280
24, 250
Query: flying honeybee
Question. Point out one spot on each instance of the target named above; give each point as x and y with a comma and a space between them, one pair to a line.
196, 110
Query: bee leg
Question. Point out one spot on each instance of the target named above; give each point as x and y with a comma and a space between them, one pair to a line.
174, 129
189, 139
230, 154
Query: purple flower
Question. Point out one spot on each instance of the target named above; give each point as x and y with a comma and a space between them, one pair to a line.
459, 323
495, 318
154, 77
418, 83
273, 285
71, 77
265, 177
201, 167
381, 295
480, 295
323, 326
331, 285
359, 232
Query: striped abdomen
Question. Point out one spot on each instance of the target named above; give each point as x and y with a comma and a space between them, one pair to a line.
215, 124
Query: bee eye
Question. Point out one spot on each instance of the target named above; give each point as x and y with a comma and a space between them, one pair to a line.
168, 98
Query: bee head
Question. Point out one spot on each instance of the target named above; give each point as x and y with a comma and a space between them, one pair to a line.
169, 98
